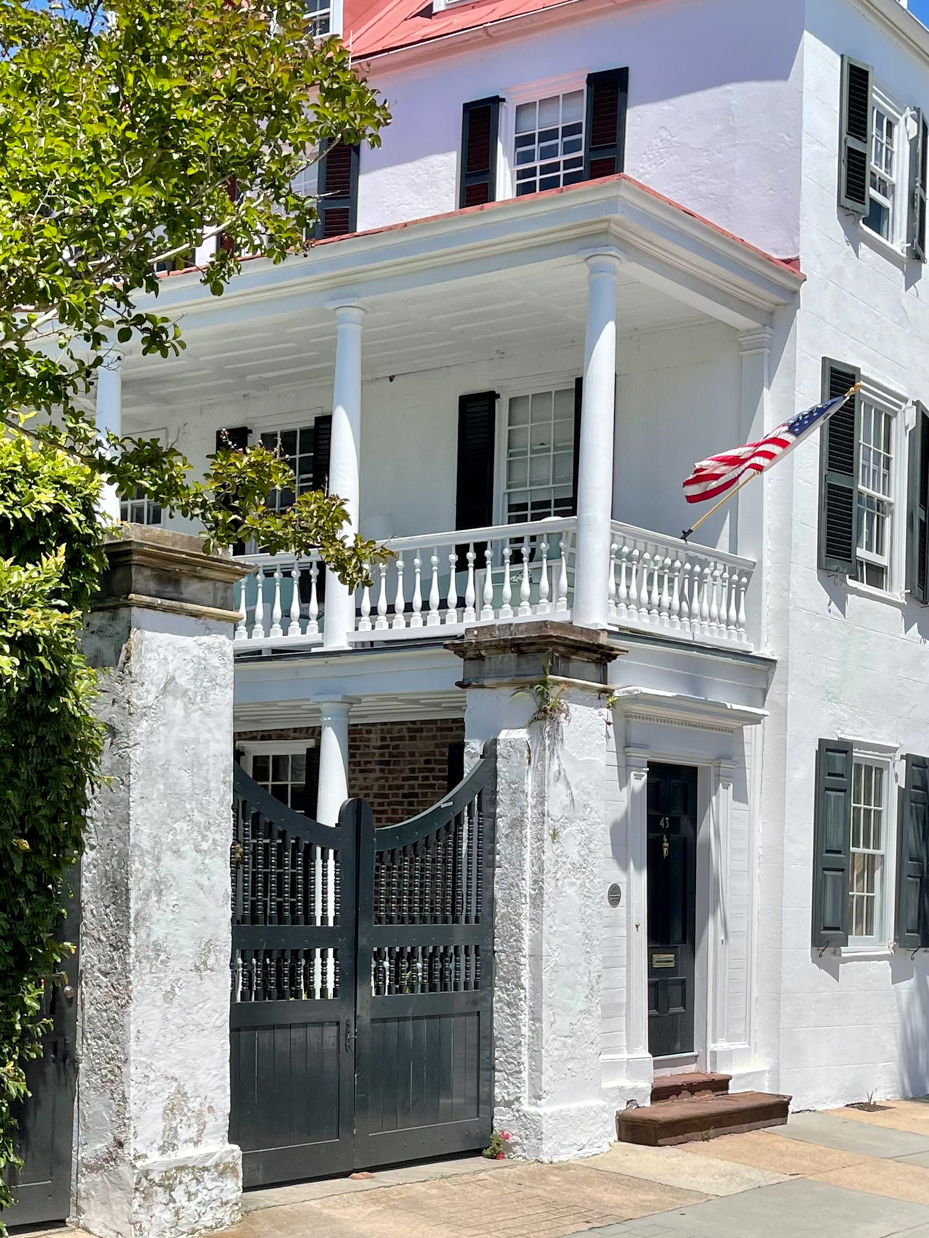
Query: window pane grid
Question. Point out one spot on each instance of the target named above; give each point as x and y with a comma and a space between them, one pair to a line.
867, 850
540, 456
549, 147
295, 447
875, 495
139, 509
883, 174
283, 774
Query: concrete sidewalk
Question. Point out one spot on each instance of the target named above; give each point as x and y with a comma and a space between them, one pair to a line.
847, 1174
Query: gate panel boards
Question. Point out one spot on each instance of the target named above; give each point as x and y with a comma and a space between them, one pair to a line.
361, 983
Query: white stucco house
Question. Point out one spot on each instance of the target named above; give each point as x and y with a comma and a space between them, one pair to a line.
604, 239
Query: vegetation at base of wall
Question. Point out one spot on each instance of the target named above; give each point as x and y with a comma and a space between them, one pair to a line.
133, 131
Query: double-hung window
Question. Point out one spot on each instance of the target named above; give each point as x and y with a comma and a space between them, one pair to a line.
870, 804
886, 159
875, 496
140, 509
549, 143
539, 455
295, 447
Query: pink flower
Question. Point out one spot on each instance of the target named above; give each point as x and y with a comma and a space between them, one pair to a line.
506, 1135
499, 1157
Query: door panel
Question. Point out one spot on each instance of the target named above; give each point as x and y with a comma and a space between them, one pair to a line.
672, 873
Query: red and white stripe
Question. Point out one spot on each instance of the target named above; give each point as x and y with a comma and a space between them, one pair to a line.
717, 474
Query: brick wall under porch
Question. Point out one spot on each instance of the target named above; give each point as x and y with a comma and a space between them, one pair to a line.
400, 768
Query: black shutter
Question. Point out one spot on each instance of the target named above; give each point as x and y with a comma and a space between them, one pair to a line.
235, 439
322, 440
480, 123
455, 767
474, 503
919, 181
855, 139
338, 190
607, 99
839, 456
578, 401
311, 787
917, 513
912, 931
832, 842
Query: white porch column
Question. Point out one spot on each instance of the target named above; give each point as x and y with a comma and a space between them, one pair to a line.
109, 419
639, 1065
333, 759
595, 462
747, 521
344, 457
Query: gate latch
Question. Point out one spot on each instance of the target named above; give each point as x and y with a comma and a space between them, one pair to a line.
349, 1036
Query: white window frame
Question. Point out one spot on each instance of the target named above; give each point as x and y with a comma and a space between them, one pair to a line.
884, 757
899, 214
507, 391
527, 92
271, 748
162, 437
287, 428
889, 400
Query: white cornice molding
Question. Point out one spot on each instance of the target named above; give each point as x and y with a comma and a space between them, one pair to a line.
690, 710
894, 17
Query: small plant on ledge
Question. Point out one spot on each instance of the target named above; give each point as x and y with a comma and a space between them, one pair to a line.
497, 1149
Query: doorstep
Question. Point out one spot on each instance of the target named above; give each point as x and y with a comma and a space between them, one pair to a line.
701, 1117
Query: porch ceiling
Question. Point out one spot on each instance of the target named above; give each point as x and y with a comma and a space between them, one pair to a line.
525, 310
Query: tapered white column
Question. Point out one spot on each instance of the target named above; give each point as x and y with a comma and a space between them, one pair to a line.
344, 458
333, 759
109, 420
639, 1062
595, 462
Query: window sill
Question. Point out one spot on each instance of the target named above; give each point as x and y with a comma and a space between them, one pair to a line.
887, 248
875, 953
876, 595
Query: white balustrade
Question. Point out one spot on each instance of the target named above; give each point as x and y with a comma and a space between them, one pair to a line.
272, 590
692, 592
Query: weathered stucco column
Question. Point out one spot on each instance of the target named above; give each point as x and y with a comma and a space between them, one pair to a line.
153, 1152
540, 689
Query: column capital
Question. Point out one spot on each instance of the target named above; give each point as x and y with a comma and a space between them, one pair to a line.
757, 339
335, 708
605, 261
636, 761
347, 309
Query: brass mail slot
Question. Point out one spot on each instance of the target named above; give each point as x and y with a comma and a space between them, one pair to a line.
663, 960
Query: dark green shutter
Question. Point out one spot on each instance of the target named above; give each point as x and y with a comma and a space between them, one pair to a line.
338, 190
578, 403
322, 439
839, 457
605, 133
832, 842
480, 124
455, 766
311, 786
913, 857
234, 439
855, 140
919, 181
917, 513
474, 502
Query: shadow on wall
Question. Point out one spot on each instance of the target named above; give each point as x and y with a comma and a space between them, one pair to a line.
912, 974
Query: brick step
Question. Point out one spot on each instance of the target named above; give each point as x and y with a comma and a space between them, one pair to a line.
695, 1083
701, 1117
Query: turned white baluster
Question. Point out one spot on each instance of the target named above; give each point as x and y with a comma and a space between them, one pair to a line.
644, 590
742, 621
381, 622
714, 599
312, 626
293, 628
676, 595
730, 588
416, 619
544, 606
451, 614
611, 584
685, 599
433, 619
399, 620
364, 623
525, 584
487, 610
665, 600
241, 631
622, 591
470, 614
276, 611
654, 597
506, 610
561, 589
258, 628
705, 598
634, 585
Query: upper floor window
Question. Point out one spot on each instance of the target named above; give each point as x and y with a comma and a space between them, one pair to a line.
549, 145
296, 448
887, 197
140, 509
540, 456
875, 495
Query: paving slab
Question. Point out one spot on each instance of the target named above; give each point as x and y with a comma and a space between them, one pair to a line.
899, 1115
798, 1209
673, 1167
528, 1201
847, 1135
882, 1177
915, 1158
768, 1151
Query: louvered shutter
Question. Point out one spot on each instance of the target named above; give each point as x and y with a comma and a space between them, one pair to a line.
235, 439
605, 133
856, 131
578, 401
338, 190
832, 842
917, 514
912, 930
474, 502
311, 787
480, 123
919, 181
839, 456
322, 440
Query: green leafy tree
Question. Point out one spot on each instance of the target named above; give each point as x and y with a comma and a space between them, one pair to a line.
132, 132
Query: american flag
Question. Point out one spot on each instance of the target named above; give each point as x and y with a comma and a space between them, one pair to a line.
717, 474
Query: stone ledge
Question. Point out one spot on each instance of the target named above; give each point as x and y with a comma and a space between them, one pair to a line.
509, 654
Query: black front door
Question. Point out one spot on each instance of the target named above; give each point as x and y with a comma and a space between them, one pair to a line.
672, 880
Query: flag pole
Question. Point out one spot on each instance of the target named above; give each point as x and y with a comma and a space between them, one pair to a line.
732, 493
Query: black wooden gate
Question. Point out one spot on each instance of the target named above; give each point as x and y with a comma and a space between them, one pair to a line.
362, 983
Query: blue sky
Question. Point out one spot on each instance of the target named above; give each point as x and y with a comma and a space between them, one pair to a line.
920, 9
